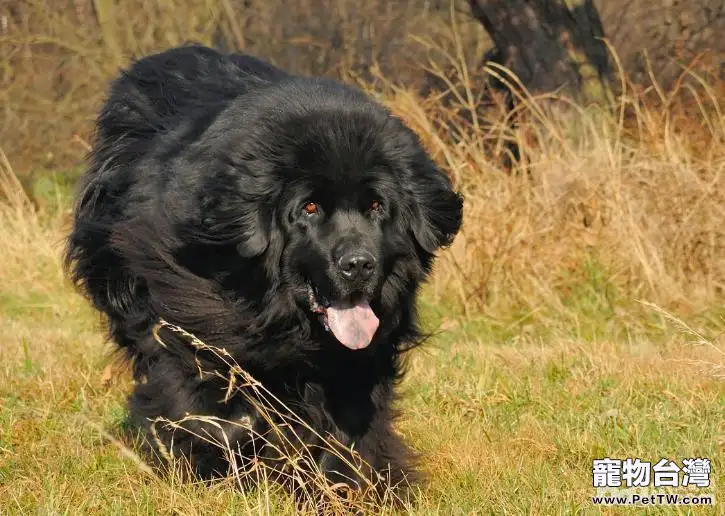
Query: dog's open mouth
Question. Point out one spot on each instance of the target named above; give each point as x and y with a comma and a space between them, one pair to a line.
352, 322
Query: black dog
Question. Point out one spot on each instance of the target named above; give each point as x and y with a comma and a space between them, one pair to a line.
287, 220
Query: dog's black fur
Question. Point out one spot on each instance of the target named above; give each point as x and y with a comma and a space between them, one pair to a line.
196, 210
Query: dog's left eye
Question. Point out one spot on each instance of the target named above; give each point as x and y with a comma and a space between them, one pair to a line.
311, 208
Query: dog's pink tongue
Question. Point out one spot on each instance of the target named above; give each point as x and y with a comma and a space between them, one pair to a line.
353, 325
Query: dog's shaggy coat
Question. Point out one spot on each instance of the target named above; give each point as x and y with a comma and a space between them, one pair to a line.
288, 220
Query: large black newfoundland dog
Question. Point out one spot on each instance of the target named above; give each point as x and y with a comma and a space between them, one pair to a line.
288, 221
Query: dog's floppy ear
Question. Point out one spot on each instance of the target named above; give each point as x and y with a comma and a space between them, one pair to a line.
231, 219
438, 208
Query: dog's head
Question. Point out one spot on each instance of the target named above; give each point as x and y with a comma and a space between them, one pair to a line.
337, 198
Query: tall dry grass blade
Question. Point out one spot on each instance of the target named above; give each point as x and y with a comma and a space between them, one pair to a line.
717, 369
108, 21
234, 25
11, 188
295, 456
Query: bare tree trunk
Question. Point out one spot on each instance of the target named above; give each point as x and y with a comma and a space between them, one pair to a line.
550, 45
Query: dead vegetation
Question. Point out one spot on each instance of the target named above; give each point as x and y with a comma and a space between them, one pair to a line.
628, 205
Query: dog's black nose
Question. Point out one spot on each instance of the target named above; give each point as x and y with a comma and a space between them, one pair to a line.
357, 265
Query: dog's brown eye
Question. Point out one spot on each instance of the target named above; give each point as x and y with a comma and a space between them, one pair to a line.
311, 208
375, 205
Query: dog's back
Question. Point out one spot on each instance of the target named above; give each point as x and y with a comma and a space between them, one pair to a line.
158, 90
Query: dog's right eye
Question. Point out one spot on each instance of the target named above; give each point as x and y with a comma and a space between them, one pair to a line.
311, 208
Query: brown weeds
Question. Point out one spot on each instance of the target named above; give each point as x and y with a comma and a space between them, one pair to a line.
626, 197
633, 199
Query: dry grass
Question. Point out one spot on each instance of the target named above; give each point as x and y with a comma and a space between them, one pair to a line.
602, 210
581, 303
55, 60
629, 207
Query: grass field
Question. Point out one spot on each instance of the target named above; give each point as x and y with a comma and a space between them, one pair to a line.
580, 314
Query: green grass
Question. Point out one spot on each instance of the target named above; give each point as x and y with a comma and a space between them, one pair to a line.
507, 416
